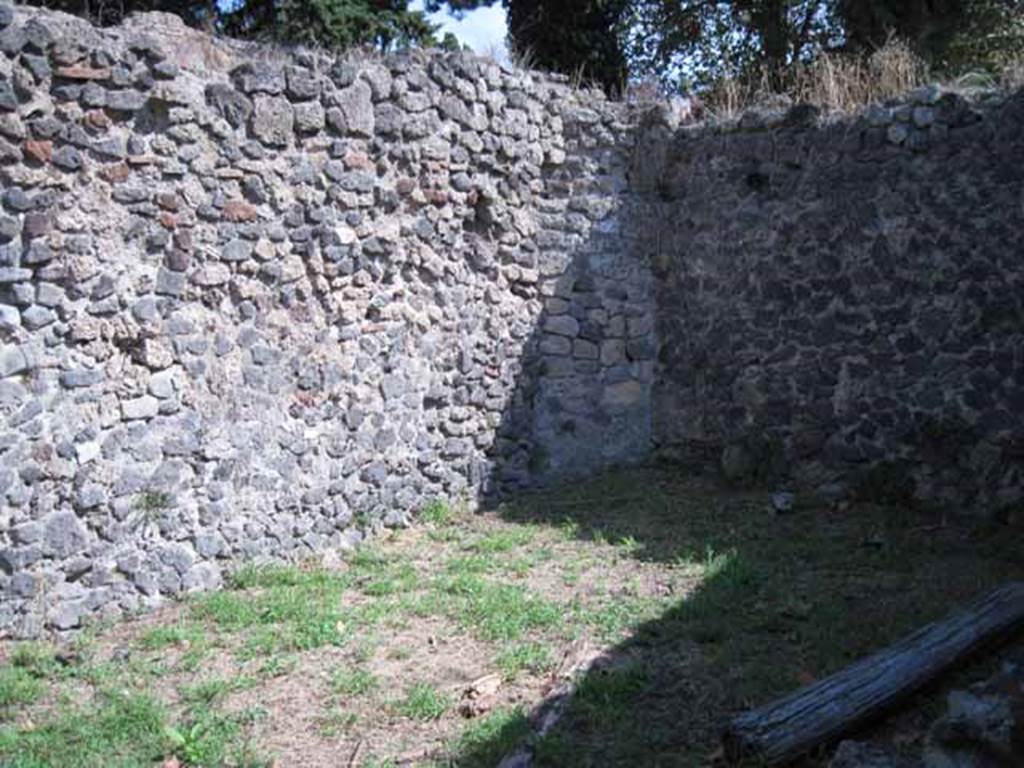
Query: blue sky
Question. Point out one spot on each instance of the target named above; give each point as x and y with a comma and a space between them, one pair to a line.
483, 30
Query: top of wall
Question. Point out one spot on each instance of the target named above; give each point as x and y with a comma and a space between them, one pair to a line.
184, 53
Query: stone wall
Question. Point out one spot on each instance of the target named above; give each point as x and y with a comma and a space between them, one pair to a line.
841, 302
259, 302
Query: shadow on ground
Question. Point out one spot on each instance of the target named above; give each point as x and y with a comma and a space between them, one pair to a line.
776, 602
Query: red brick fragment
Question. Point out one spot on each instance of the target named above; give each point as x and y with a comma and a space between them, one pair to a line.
358, 160
168, 201
115, 174
168, 219
238, 210
82, 72
96, 119
39, 150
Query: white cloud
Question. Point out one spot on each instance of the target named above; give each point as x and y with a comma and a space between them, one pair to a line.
483, 30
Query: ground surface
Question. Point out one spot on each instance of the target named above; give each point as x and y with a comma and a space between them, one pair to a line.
431, 645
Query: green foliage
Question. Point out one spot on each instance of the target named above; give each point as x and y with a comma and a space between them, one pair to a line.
952, 35
337, 24
355, 682
151, 503
422, 702
122, 728
497, 611
525, 657
290, 608
211, 738
681, 44
18, 686
164, 636
438, 512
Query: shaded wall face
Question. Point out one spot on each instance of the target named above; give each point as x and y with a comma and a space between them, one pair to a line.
848, 297
255, 304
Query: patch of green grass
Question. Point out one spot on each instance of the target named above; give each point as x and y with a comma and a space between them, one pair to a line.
210, 738
128, 730
150, 503
600, 696
504, 540
36, 657
276, 666
24, 678
269, 576
293, 609
497, 611
368, 559
230, 611
621, 615
400, 578
485, 742
336, 722
160, 637
422, 702
438, 512
18, 687
208, 691
525, 657
353, 682
469, 565
572, 572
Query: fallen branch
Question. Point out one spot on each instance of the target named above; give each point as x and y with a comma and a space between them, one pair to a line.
785, 729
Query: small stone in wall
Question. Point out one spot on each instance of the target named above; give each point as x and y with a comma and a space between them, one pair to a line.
354, 111
63, 534
229, 104
272, 121
83, 72
125, 101
238, 211
39, 150
67, 158
145, 407
259, 77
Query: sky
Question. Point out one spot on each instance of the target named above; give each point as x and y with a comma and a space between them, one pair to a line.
483, 30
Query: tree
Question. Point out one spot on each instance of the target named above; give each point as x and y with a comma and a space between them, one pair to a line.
581, 38
385, 24
683, 44
949, 34
689, 44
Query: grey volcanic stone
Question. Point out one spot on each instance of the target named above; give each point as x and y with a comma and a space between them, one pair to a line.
233, 106
354, 113
68, 158
272, 121
259, 77
64, 535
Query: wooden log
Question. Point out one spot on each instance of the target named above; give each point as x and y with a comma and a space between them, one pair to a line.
785, 729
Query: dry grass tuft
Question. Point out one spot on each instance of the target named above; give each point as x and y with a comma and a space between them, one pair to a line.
844, 83
833, 81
